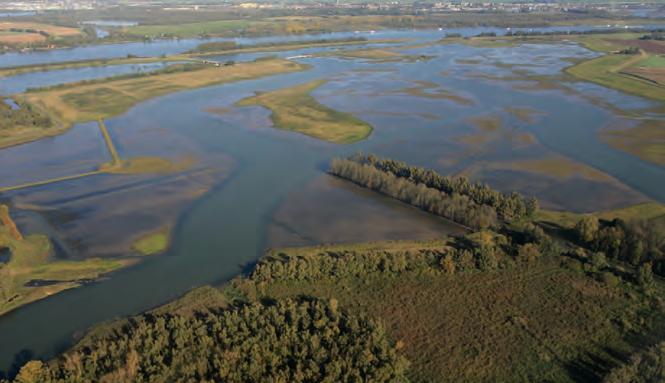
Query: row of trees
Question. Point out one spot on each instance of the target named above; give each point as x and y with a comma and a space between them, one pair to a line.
303, 340
483, 250
635, 242
456, 207
508, 207
656, 35
231, 45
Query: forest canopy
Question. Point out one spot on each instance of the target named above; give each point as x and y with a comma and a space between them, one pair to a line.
290, 340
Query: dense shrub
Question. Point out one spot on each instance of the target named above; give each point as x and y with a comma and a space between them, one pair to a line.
303, 340
634, 242
483, 250
645, 367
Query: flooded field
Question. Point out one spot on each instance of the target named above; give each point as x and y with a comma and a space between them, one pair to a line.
237, 185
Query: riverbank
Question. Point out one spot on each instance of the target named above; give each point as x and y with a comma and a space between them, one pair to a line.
95, 100
194, 55
31, 271
543, 310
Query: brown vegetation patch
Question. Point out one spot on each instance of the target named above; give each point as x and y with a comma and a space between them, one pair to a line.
656, 75
51, 30
554, 166
427, 89
650, 46
646, 141
20, 38
488, 123
525, 114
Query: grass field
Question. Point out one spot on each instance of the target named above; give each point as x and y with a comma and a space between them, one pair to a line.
101, 100
295, 109
606, 71
20, 38
31, 273
51, 30
540, 322
652, 62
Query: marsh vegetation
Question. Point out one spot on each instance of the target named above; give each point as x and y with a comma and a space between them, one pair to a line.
295, 109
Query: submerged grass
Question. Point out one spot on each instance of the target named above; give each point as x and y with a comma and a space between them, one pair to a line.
295, 109
431, 90
646, 141
31, 273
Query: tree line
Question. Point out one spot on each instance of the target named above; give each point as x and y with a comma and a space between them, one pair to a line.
637, 242
471, 204
482, 250
217, 46
289, 340
644, 367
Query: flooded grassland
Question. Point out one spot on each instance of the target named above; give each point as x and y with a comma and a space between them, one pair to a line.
206, 175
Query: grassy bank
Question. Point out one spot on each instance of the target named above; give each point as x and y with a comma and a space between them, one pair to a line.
607, 71
260, 23
16, 70
32, 273
104, 99
295, 109
650, 211
377, 55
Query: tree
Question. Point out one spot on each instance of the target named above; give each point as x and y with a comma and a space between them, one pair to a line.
448, 264
645, 275
598, 260
587, 229
528, 252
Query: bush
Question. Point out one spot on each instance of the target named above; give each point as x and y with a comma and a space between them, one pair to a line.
645, 275
598, 260
610, 279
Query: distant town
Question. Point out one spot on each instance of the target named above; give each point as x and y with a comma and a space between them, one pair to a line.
418, 6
